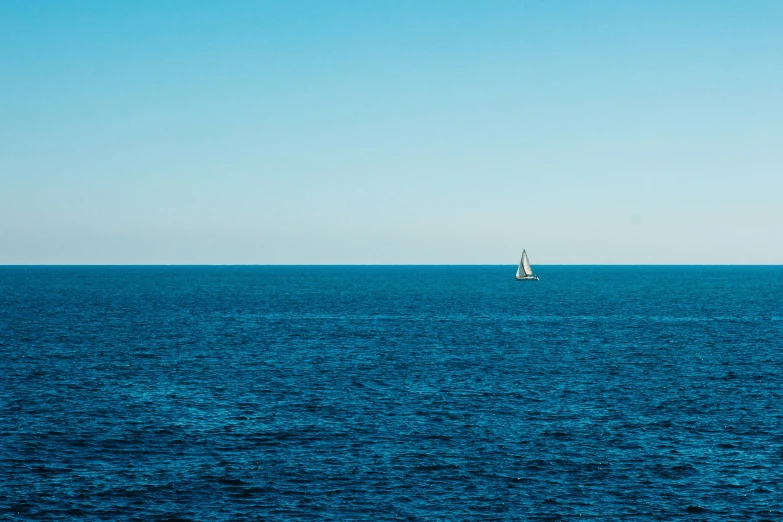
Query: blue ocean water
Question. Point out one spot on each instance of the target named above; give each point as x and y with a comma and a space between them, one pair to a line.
374, 393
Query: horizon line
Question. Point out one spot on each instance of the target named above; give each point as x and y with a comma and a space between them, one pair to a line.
9, 265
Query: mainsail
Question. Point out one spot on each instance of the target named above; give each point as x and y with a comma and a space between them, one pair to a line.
525, 265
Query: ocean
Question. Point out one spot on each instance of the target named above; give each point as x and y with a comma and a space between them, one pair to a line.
391, 393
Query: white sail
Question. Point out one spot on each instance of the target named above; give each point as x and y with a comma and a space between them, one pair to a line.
524, 272
525, 265
521, 267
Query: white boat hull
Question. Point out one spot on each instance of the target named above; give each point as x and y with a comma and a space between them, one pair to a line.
528, 278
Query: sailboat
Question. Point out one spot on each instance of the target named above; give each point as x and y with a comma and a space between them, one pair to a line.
524, 272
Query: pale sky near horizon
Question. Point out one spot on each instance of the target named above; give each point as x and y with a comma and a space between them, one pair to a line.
391, 132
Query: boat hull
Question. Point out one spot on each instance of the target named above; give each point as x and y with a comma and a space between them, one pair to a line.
527, 278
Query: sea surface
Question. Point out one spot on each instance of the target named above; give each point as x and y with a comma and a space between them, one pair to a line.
391, 393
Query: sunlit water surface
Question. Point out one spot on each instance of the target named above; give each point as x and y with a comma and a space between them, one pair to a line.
344, 393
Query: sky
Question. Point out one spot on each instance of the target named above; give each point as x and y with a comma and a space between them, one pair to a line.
391, 132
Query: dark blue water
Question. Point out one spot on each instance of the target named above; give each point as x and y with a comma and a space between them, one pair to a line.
344, 393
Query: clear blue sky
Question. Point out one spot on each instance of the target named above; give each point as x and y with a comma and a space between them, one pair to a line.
391, 132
